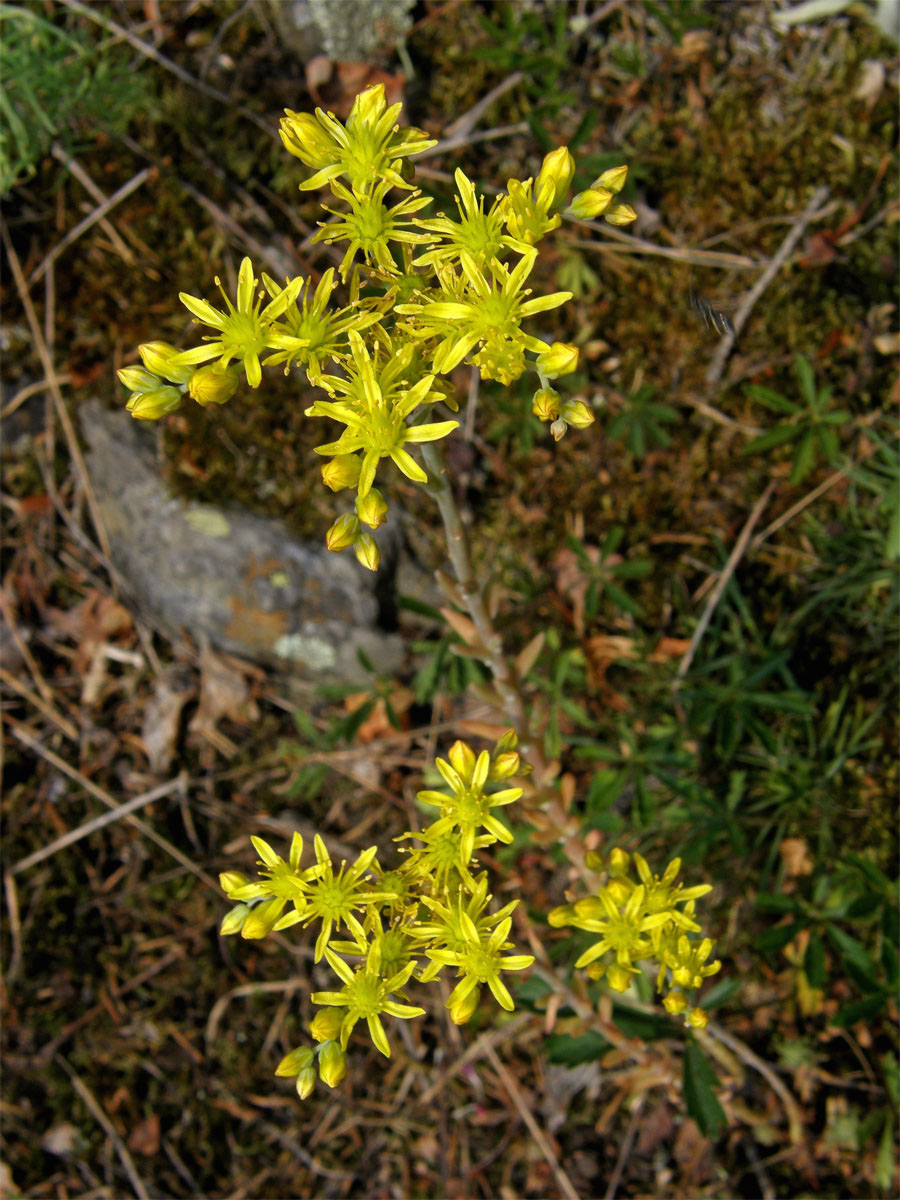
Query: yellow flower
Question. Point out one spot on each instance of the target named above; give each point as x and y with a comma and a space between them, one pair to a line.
366, 150
244, 330
366, 995
477, 232
376, 403
371, 225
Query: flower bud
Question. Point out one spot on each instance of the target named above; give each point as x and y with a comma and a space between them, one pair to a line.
368, 106
555, 178
259, 921
234, 920
300, 1059
577, 413
462, 759
139, 379
675, 1003
229, 880
558, 429
367, 553
372, 509
305, 138
463, 1010
150, 406
559, 359
545, 404
622, 214
213, 385
592, 203
505, 765
618, 862
343, 532
158, 357
613, 179
332, 1064
508, 740
326, 1025
306, 1081
619, 977
697, 1019
341, 472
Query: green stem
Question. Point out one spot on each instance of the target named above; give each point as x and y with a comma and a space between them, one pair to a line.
508, 686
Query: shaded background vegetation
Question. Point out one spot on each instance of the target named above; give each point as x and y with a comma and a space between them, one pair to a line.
763, 753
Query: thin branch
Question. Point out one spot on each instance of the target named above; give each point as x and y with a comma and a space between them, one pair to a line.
720, 358
540, 1138
91, 219
799, 506
791, 1107
108, 1128
728, 570
89, 827
62, 412
78, 171
93, 14
28, 739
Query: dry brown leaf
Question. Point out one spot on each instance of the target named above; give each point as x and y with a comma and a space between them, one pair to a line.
162, 717
224, 695
144, 1137
795, 856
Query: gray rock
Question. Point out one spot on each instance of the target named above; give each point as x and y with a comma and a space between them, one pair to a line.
239, 580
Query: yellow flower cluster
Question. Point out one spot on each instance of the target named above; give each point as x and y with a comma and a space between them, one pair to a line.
643, 919
407, 923
420, 296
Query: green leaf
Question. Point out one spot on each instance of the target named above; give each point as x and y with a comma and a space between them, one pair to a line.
884, 1163
858, 1010
775, 437
806, 377
768, 902
814, 961
568, 1051
647, 1025
772, 400
778, 938
700, 1097
804, 457
850, 950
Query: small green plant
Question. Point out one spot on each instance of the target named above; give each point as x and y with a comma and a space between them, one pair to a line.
640, 424
56, 84
810, 424
412, 299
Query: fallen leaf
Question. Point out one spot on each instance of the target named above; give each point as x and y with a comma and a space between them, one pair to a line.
144, 1137
224, 695
162, 716
795, 857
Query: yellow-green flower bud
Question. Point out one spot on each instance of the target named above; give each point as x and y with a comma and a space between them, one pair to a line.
592, 203
545, 404
577, 413
139, 379
675, 1003
332, 1064
593, 860
508, 740
618, 862
372, 508
619, 891
619, 977
305, 138
463, 1010
234, 920
213, 385
259, 921
150, 406
613, 179
343, 532
341, 472
697, 1018
505, 765
326, 1025
300, 1059
558, 429
559, 359
367, 553
158, 357
230, 880
462, 759
306, 1081
555, 178
622, 214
